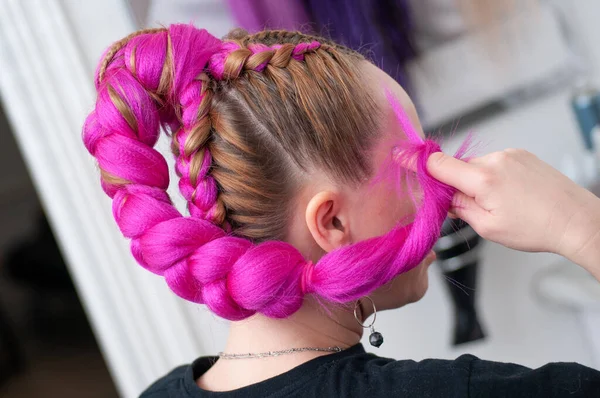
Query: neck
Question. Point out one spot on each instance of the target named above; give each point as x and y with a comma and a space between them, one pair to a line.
312, 326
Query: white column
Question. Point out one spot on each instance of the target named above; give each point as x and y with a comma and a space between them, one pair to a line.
48, 49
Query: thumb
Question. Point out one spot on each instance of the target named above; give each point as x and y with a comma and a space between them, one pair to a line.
465, 208
454, 172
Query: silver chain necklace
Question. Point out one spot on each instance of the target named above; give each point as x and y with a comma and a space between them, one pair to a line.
277, 353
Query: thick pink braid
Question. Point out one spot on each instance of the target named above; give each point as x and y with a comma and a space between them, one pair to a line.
159, 78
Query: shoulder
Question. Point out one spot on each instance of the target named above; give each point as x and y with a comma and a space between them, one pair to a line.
375, 366
467, 375
373, 376
558, 379
168, 384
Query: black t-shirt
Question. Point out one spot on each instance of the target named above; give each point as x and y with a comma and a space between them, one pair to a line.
355, 373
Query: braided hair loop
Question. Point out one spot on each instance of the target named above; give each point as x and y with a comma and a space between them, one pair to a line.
155, 78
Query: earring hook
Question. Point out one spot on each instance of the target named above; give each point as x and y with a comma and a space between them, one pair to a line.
376, 338
357, 305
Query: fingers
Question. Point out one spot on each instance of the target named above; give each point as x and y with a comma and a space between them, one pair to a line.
454, 172
465, 208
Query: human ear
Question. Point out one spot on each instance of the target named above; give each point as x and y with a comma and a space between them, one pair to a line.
327, 221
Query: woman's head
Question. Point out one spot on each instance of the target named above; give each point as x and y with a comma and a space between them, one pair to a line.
277, 138
328, 214
284, 108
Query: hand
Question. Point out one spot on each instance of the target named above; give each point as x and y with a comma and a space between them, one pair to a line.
515, 199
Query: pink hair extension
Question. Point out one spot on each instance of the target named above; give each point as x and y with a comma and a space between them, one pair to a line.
200, 261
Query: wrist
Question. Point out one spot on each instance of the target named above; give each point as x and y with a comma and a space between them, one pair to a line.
581, 239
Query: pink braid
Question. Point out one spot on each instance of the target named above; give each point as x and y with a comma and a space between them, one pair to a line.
196, 258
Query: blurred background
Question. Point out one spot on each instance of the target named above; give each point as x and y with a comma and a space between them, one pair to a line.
79, 318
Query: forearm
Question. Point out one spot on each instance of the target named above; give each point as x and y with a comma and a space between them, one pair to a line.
584, 237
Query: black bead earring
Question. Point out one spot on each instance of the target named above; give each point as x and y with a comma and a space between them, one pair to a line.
376, 339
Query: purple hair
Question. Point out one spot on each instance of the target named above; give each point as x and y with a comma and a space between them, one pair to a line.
199, 260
